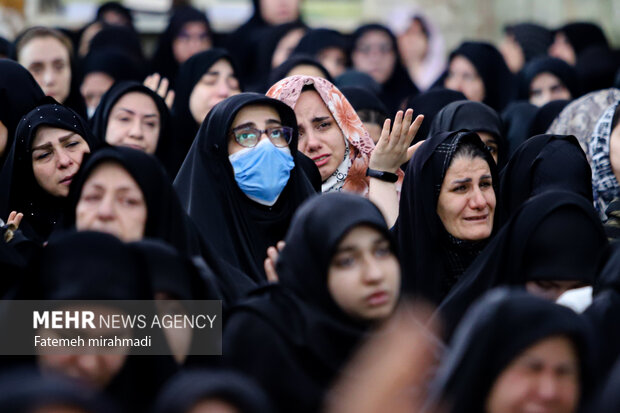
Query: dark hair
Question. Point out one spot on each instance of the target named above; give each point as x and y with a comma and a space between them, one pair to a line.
39, 31
468, 149
372, 116
308, 87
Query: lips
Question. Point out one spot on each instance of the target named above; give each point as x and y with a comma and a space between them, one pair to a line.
477, 218
377, 298
67, 179
321, 159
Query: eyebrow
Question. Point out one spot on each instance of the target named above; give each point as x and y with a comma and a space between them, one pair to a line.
103, 187
253, 125
351, 248
49, 144
319, 119
148, 115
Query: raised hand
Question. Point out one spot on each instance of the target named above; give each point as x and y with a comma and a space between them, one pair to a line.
393, 148
160, 85
270, 261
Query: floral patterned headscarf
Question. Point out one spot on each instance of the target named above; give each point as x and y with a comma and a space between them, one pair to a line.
351, 173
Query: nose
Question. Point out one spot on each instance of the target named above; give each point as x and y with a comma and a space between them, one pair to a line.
223, 90
135, 130
373, 271
105, 209
49, 77
313, 143
63, 159
477, 199
548, 387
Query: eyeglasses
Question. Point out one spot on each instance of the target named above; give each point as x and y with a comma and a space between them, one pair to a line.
248, 137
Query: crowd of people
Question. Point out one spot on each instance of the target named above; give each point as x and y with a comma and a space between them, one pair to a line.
389, 227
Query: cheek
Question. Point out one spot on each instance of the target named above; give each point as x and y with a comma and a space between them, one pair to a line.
342, 288
43, 174
115, 132
152, 138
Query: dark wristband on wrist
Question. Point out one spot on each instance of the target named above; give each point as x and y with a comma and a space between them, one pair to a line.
382, 175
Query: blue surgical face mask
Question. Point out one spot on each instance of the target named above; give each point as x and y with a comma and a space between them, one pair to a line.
263, 171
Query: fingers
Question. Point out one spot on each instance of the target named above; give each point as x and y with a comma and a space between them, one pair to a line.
11, 216
18, 219
152, 81
413, 149
15, 219
163, 88
398, 123
170, 99
413, 129
280, 245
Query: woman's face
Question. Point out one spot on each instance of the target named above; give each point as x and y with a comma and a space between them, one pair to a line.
276, 12
334, 60
551, 289
193, 38
320, 137
466, 204
111, 201
213, 406
134, 121
374, 54
546, 87
491, 142
256, 117
562, 49
512, 53
364, 275
93, 87
544, 378
463, 77
286, 45
217, 84
56, 157
48, 60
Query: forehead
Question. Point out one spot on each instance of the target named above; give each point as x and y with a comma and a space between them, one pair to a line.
545, 78
136, 102
360, 236
220, 65
310, 105
374, 37
257, 114
111, 173
462, 63
464, 166
49, 134
194, 27
554, 349
42, 49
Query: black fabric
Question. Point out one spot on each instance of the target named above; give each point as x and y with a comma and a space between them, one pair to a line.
167, 151
25, 390
474, 117
239, 229
582, 35
429, 104
357, 79
122, 39
495, 331
364, 99
557, 67
317, 40
295, 326
163, 61
20, 190
190, 73
6, 48
98, 266
518, 118
545, 115
188, 388
609, 397
423, 242
19, 94
270, 37
292, 62
166, 219
533, 39
553, 236
596, 67
399, 85
114, 63
500, 85
116, 7
543, 163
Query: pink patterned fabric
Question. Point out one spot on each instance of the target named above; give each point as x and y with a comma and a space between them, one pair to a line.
360, 144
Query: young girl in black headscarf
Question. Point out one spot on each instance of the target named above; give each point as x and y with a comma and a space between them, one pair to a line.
374, 50
204, 80
240, 186
508, 344
130, 114
50, 142
546, 79
440, 233
338, 277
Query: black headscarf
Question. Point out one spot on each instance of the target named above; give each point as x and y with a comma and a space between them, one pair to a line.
299, 313
167, 152
582, 35
188, 388
556, 235
429, 104
356, 78
495, 331
545, 115
557, 67
19, 94
432, 259
533, 39
543, 163
122, 39
609, 397
270, 37
596, 67
6, 48
500, 86
239, 229
25, 390
114, 63
166, 219
98, 266
399, 85
21, 192
317, 40
163, 61
475, 117
517, 119
364, 99
190, 73
293, 61
116, 7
